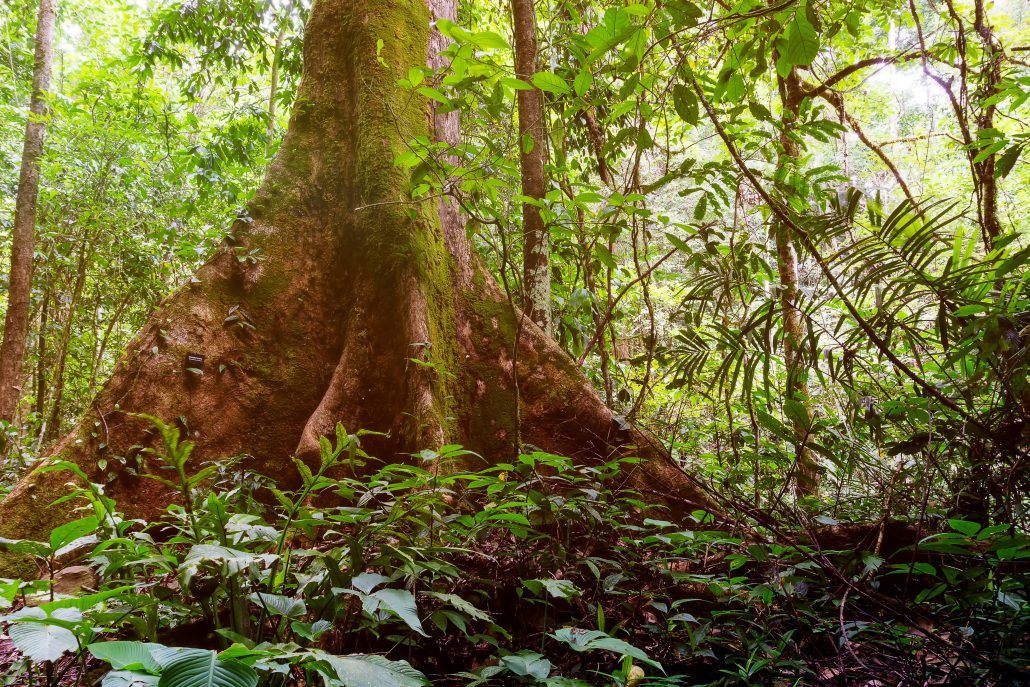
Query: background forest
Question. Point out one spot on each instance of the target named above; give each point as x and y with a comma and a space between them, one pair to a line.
786, 239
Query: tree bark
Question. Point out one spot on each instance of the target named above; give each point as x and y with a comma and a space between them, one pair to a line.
366, 310
807, 470
536, 261
16, 321
990, 77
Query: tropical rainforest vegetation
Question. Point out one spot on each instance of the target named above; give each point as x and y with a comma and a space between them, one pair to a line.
476, 342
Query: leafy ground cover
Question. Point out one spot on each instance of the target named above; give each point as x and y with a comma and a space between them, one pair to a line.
533, 572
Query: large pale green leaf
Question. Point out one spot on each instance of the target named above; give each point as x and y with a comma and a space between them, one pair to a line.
527, 664
401, 602
205, 669
34, 635
369, 670
124, 655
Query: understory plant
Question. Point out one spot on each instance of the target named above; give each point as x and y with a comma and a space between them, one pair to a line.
536, 571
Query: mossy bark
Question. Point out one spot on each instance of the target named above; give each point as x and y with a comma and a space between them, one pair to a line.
352, 289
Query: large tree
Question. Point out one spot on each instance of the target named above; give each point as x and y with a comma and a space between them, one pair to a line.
339, 301
23, 239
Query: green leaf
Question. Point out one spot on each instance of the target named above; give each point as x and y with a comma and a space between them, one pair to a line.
39, 640
592, 640
205, 669
584, 79
759, 111
277, 604
1007, 161
310, 631
402, 603
797, 412
367, 581
461, 604
33, 548
558, 589
550, 82
965, 527
69, 532
84, 603
801, 41
700, 208
527, 664
488, 40
129, 678
369, 670
685, 102
126, 655
434, 94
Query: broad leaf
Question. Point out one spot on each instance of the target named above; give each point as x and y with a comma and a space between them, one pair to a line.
401, 602
67, 533
461, 604
558, 589
369, 670
205, 669
33, 635
550, 82
527, 664
800, 43
368, 581
124, 655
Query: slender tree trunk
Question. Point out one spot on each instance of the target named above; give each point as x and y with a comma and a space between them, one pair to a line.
98, 361
990, 77
807, 470
367, 312
273, 88
41, 366
536, 272
54, 421
16, 322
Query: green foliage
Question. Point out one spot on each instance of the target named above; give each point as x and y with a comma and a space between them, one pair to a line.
667, 291
537, 571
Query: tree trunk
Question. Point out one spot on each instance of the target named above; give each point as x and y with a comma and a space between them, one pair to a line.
807, 470
354, 289
53, 427
16, 322
990, 77
536, 261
